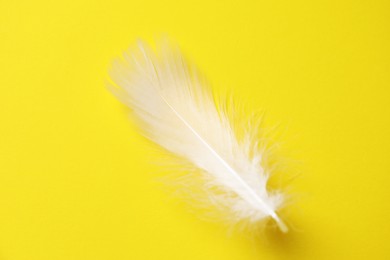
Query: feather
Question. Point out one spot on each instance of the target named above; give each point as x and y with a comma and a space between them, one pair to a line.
176, 109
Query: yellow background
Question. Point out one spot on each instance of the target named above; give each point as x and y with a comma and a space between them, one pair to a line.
74, 175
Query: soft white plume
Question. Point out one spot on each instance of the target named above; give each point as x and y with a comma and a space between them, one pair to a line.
176, 109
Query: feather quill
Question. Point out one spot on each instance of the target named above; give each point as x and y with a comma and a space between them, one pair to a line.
175, 108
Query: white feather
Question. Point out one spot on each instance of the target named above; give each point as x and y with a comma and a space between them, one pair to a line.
176, 109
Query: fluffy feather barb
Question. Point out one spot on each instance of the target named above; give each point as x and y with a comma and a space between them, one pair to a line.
176, 109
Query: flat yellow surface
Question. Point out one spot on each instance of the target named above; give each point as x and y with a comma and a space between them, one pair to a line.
74, 175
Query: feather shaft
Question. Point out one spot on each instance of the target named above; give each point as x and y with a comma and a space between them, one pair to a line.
260, 202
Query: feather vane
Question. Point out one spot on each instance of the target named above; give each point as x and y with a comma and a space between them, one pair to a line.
176, 109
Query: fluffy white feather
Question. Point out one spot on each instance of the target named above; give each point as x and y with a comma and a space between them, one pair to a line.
176, 109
